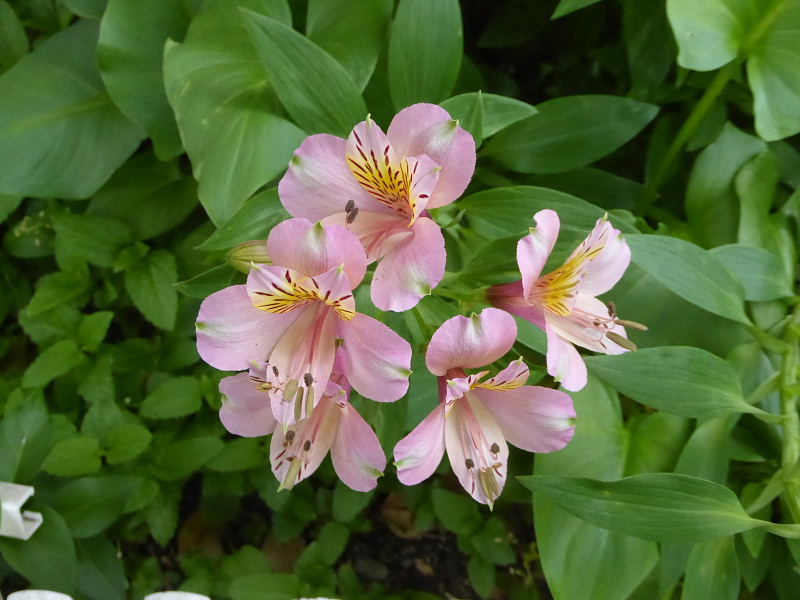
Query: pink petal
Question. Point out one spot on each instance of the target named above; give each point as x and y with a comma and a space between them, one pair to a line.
232, 334
411, 269
419, 453
533, 418
534, 249
477, 449
319, 183
605, 270
508, 296
356, 452
312, 249
580, 329
564, 362
513, 376
308, 347
379, 233
245, 409
471, 342
458, 386
429, 129
297, 455
376, 360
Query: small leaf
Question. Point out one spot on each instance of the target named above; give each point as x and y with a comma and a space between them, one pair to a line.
239, 455
93, 329
457, 512
126, 441
566, 7
53, 362
654, 506
691, 272
25, 436
681, 380
101, 572
150, 284
91, 504
180, 459
425, 50
13, 39
481, 575
73, 457
57, 288
173, 398
97, 239
315, 89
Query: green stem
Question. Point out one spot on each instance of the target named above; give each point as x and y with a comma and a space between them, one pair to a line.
685, 133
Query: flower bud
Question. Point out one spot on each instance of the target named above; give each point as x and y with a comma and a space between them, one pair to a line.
242, 257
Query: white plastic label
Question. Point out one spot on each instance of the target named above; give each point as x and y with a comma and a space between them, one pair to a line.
14, 522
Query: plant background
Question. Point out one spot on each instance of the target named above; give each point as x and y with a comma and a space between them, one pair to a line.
140, 141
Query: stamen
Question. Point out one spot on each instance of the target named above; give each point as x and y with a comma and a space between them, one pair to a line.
307, 445
494, 448
290, 389
275, 370
469, 463
290, 436
621, 341
351, 216
308, 379
632, 325
351, 204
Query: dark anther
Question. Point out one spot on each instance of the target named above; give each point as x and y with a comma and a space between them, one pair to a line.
307, 445
289, 435
351, 204
308, 379
351, 216
612, 310
494, 449
469, 463
275, 370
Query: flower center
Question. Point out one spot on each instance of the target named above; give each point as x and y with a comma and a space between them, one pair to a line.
292, 291
556, 291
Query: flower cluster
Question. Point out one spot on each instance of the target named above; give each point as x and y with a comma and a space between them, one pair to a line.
294, 333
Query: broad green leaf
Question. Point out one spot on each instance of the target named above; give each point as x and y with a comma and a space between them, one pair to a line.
351, 31
150, 196
150, 284
25, 436
239, 455
599, 187
611, 564
96, 239
125, 442
253, 221
13, 39
93, 329
712, 572
101, 573
180, 459
92, 9
316, 90
56, 360
73, 457
48, 559
172, 398
225, 106
710, 202
707, 453
505, 211
681, 380
55, 289
203, 285
58, 127
690, 272
655, 442
457, 512
425, 50
91, 504
566, 7
499, 112
653, 506
131, 52
8, 204
569, 132
760, 272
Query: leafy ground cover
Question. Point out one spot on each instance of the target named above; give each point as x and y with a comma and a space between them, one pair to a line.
141, 141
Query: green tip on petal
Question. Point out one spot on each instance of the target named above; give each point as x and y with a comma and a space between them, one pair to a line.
201, 326
295, 160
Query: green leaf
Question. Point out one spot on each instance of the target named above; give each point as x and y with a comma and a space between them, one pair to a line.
150, 284
48, 559
53, 362
97, 239
98, 384
569, 132
253, 221
13, 39
180, 459
691, 272
425, 50
656, 439
481, 575
239, 455
611, 564
653, 506
332, 540
712, 571
162, 516
8, 204
681, 380
101, 573
55, 289
130, 52
58, 127
347, 503
761, 273
315, 89
505, 211
92, 9
457, 512
498, 111
73, 457
266, 586
206, 283
125, 442
93, 329
25, 436
91, 504
150, 196
351, 31
225, 107
566, 7
172, 398
492, 543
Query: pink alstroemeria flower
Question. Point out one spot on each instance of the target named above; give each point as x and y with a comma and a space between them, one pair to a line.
333, 425
476, 416
380, 185
293, 314
563, 302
